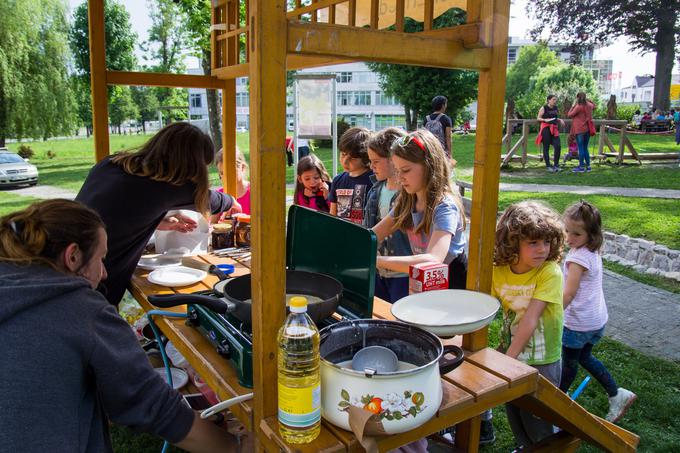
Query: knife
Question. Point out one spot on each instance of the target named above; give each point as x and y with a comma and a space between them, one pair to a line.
203, 266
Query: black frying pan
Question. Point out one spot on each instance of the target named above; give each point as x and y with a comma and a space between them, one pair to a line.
236, 294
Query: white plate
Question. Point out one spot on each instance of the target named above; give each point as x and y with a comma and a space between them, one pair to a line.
176, 276
179, 377
159, 262
447, 312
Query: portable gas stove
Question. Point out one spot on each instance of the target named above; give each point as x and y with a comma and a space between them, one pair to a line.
312, 244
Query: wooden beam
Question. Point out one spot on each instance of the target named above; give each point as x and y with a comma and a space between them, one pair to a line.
229, 135
232, 72
373, 45
267, 50
100, 106
429, 13
482, 11
292, 62
155, 79
399, 25
352, 13
467, 33
375, 8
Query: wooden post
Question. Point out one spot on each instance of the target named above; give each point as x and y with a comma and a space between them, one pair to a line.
229, 136
525, 141
267, 49
622, 146
600, 146
100, 107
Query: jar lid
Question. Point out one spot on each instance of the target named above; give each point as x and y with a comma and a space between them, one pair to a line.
222, 227
298, 304
243, 218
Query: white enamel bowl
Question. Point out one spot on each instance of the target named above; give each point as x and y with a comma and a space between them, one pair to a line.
447, 312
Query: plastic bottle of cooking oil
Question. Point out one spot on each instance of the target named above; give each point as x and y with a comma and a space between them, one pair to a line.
299, 378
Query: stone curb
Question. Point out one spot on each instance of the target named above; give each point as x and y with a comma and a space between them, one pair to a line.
642, 255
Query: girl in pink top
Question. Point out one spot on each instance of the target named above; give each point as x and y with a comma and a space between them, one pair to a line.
581, 114
313, 180
585, 312
242, 184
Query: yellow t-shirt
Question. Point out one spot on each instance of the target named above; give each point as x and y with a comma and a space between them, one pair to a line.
515, 291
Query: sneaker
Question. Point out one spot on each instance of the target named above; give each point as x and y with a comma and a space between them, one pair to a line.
486, 435
578, 170
549, 169
588, 169
557, 169
619, 404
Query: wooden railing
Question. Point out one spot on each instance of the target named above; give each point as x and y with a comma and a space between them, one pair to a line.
604, 140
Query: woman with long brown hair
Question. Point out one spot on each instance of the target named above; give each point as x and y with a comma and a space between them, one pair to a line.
581, 114
133, 191
70, 363
427, 209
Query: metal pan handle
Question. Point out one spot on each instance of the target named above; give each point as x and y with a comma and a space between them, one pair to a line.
173, 300
448, 365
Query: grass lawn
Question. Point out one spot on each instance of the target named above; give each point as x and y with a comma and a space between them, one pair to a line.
654, 219
10, 202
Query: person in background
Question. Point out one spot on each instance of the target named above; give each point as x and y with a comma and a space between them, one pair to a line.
390, 286
427, 209
440, 124
581, 114
585, 311
659, 116
312, 184
676, 120
133, 191
61, 388
242, 183
637, 119
302, 147
549, 133
347, 196
528, 282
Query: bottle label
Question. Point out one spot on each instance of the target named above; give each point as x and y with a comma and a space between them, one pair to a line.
299, 407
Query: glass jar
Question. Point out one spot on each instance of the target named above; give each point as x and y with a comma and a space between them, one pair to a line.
222, 236
242, 231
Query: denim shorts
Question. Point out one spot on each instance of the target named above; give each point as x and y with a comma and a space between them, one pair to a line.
573, 339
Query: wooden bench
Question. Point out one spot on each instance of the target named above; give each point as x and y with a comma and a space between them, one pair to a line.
656, 126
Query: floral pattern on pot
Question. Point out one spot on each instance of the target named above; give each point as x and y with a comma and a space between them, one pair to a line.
391, 407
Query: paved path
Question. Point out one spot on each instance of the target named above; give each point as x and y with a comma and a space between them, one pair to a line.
43, 192
591, 190
643, 317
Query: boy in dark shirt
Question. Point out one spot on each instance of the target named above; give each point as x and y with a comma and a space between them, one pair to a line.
347, 196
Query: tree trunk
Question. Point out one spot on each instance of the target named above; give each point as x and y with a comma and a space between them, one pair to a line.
214, 117
665, 55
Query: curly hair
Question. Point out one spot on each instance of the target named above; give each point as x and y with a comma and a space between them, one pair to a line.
589, 215
527, 220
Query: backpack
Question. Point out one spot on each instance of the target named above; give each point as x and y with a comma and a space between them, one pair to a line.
435, 126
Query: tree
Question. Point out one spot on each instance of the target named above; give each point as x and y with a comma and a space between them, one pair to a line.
164, 49
122, 107
120, 51
531, 61
147, 104
562, 80
35, 92
197, 23
415, 86
649, 25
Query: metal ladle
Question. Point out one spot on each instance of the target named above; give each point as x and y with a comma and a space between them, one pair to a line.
375, 358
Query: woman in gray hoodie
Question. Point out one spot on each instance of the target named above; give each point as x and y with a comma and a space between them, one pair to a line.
70, 363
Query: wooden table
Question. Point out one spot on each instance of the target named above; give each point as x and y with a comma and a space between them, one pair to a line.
485, 380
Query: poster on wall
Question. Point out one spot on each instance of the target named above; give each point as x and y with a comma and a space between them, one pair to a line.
315, 107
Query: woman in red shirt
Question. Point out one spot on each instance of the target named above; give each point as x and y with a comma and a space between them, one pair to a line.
581, 114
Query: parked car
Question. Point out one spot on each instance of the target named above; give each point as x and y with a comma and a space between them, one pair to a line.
14, 170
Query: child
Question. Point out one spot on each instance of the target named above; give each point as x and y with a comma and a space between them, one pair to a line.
585, 312
348, 190
242, 184
311, 189
427, 210
573, 148
528, 282
390, 286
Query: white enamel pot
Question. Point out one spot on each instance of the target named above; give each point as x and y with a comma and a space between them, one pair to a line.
403, 399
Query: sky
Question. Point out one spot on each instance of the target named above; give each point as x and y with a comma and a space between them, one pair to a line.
626, 61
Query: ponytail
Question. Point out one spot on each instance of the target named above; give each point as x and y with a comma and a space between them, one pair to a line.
41, 232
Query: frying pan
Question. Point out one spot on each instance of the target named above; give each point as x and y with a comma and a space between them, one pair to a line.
235, 295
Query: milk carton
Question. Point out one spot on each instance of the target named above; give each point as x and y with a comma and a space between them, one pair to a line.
428, 277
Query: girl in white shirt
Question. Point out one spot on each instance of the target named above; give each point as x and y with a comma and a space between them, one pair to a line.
585, 311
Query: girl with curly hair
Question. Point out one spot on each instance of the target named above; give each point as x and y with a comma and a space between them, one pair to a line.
528, 281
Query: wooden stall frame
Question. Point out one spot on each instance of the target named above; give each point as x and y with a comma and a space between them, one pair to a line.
278, 39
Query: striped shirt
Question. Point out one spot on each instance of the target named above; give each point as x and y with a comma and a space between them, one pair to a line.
588, 311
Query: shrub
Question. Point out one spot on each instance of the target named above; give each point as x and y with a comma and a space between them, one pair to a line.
50, 154
25, 151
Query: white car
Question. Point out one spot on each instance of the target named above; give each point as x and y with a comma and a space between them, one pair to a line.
14, 170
